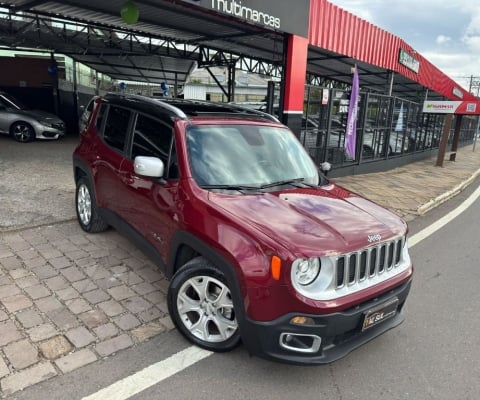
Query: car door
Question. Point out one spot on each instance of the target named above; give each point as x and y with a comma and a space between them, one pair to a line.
107, 166
152, 202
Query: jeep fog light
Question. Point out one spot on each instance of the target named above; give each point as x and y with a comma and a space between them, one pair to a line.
305, 271
301, 320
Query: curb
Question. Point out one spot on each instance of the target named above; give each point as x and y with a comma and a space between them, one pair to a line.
423, 209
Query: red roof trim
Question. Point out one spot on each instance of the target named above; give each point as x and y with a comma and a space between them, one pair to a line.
334, 29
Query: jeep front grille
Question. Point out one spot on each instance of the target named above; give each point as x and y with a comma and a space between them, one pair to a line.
367, 263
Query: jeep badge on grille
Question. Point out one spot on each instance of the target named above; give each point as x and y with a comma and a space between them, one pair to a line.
374, 238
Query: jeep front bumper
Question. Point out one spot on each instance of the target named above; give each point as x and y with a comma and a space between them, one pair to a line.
325, 338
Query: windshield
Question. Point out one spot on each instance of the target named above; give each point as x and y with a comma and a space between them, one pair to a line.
12, 102
247, 155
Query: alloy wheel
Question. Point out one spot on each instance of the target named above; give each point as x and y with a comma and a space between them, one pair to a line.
22, 133
84, 204
205, 307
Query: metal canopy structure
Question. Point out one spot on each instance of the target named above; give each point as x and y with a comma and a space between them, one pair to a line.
325, 66
173, 36
166, 43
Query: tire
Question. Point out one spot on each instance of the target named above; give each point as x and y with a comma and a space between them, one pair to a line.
22, 132
86, 207
201, 306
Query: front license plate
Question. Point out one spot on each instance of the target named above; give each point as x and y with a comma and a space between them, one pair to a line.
380, 313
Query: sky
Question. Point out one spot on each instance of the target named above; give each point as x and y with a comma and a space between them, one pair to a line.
446, 33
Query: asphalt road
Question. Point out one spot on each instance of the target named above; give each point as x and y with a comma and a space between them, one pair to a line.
434, 354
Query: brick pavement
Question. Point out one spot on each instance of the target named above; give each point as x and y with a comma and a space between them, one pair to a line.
68, 299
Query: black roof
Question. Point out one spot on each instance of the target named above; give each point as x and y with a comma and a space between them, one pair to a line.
180, 108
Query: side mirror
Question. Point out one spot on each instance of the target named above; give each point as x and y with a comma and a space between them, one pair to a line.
149, 166
325, 167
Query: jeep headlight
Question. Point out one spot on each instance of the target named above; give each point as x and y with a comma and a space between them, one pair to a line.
305, 271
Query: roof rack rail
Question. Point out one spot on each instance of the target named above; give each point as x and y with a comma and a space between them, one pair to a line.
197, 107
183, 108
156, 102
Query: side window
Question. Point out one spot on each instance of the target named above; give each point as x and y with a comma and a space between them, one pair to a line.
116, 126
101, 117
153, 138
86, 114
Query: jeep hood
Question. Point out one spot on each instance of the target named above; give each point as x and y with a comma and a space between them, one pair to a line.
319, 221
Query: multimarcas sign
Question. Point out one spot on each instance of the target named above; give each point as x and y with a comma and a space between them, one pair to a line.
452, 107
238, 10
271, 14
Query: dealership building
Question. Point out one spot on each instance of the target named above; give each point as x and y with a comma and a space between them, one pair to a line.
308, 53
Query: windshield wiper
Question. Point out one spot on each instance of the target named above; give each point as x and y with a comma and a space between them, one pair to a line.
230, 187
293, 182
280, 183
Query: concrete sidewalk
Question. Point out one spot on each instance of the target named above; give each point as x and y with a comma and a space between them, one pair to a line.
68, 298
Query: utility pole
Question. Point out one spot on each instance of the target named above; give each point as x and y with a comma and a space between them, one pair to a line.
474, 86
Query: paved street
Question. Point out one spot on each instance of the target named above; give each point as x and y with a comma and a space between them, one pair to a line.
68, 299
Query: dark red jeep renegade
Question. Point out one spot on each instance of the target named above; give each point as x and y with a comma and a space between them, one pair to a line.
257, 244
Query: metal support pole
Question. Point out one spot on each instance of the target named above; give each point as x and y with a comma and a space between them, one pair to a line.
270, 96
231, 82
444, 140
175, 87
390, 88
54, 74
97, 84
75, 90
456, 137
476, 133
281, 100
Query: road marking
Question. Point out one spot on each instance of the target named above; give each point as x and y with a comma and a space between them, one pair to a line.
151, 375
429, 230
155, 373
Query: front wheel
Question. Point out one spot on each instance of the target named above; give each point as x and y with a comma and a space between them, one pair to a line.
22, 132
86, 207
201, 306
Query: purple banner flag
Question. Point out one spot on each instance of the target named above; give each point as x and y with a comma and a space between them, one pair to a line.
351, 132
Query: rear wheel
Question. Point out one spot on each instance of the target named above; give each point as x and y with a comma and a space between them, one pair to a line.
200, 303
86, 207
22, 132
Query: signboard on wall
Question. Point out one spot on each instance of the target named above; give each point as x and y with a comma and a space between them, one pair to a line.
452, 107
408, 61
457, 92
271, 14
